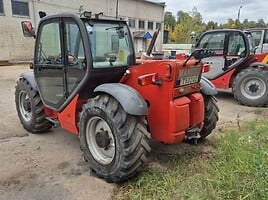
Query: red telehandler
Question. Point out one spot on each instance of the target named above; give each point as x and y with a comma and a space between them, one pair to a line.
235, 64
86, 80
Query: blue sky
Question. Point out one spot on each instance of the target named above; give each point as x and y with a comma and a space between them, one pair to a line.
221, 10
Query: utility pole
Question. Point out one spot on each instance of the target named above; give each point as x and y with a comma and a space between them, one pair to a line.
238, 15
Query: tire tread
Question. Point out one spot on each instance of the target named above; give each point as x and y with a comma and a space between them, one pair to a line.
211, 116
131, 131
236, 90
38, 123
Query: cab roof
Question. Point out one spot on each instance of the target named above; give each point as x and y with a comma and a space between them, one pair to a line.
84, 15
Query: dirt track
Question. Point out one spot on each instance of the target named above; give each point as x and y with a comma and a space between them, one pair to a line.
50, 165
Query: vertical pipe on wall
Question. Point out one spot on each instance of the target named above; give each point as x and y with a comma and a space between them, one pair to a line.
34, 13
116, 9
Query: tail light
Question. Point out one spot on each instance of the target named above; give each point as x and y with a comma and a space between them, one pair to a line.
206, 68
147, 79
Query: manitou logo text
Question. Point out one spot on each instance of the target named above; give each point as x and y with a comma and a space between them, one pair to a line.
189, 76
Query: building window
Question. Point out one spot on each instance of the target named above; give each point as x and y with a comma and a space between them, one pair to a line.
1, 7
141, 24
150, 25
131, 23
158, 25
20, 8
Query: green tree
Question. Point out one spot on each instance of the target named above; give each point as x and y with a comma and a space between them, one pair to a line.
169, 19
211, 25
179, 35
260, 23
229, 24
196, 16
244, 25
187, 22
249, 24
183, 17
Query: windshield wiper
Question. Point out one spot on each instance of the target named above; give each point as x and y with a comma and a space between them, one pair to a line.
115, 27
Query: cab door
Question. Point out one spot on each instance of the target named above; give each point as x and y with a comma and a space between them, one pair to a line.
49, 63
230, 49
60, 63
216, 42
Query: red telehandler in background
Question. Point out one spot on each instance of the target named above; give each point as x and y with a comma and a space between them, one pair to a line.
235, 64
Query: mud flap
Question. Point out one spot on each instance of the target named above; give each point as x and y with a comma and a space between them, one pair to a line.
29, 76
131, 101
207, 87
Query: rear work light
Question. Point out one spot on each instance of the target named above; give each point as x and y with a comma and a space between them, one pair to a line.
147, 79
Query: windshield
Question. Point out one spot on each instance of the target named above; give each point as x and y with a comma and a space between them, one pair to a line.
110, 44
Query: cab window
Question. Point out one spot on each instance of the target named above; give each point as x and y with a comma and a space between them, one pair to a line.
110, 44
76, 59
49, 46
256, 35
213, 41
75, 49
236, 45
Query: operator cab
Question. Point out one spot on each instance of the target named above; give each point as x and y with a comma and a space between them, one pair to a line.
230, 48
74, 54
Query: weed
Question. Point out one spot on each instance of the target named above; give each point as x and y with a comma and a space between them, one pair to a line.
237, 168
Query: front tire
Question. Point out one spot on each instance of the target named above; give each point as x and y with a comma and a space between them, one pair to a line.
114, 143
250, 87
30, 108
211, 116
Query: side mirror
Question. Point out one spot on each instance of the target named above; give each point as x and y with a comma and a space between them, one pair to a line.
192, 35
27, 29
193, 38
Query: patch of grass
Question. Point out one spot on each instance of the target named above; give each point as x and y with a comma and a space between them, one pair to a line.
237, 168
260, 111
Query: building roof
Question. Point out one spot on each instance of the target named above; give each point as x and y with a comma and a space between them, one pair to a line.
161, 3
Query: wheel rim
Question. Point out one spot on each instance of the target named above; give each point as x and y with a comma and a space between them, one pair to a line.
102, 152
25, 106
253, 88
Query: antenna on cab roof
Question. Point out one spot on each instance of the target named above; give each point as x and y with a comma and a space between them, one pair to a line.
98, 15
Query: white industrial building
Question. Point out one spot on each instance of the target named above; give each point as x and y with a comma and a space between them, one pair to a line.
144, 18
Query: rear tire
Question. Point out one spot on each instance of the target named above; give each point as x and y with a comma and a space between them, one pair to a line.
114, 143
30, 108
250, 87
211, 116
